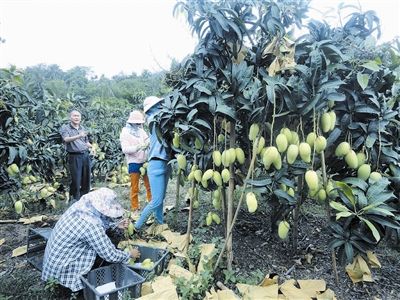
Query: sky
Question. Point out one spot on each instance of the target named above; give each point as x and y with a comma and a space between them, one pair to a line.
121, 36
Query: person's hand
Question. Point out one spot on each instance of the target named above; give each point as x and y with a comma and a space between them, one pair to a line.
144, 146
82, 134
135, 253
124, 224
92, 151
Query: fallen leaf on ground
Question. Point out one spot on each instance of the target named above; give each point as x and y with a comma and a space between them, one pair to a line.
19, 251
372, 259
164, 295
146, 288
270, 279
162, 283
308, 257
312, 287
2, 241
289, 289
258, 292
227, 295
176, 271
359, 270
156, 229
175, 239
206, 256
327, 295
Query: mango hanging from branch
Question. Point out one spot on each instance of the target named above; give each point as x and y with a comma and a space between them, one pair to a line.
292, 153
181, 161
312, 180
281, 142
325, 122
305, 152
283, 229
240, 155
251, 202
253, 132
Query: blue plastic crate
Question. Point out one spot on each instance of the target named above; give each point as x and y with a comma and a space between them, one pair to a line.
128, 283
157, 255
37, 240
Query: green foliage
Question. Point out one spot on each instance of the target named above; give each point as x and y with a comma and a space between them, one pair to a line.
196, 287
35, 103
255, 278
51, 286
248, 69
363, 211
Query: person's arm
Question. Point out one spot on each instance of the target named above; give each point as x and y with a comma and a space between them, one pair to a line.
100, 242
69, 139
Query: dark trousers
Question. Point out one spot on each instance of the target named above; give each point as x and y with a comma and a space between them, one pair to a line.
79, 167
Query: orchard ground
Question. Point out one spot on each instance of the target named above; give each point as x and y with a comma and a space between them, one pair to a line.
257, 253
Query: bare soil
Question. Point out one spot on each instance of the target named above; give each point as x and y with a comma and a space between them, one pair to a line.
257, 252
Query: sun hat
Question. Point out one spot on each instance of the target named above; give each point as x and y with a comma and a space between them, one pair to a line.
136, 117
149, 102
105, 201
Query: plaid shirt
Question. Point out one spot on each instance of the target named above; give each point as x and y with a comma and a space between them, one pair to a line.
79, 145
72, 248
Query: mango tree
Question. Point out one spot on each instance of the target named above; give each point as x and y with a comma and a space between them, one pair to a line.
250, 89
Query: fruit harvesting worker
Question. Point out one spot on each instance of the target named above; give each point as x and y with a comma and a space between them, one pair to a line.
134, 143
77, 145
158, 170
80, 235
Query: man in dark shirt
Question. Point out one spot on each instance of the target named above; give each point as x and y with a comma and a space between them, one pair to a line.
77, 146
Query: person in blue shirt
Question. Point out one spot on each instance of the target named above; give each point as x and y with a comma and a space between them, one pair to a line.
158, 170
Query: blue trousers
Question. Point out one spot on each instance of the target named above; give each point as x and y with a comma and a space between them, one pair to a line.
158, 172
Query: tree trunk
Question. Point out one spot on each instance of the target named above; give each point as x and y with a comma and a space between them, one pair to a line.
230, 198
177, 199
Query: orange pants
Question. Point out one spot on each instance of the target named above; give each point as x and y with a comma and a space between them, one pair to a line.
135, 179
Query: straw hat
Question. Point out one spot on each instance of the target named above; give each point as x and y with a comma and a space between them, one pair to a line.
105, 201
136, 117
149, 102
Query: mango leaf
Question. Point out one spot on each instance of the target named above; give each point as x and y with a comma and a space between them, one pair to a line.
259, 182
371, 65
373, 229
202, 88
343, 214
336, 96
348, 192
377, 192
379, 211
361, 184
339, 206
362, 80
370, 141
203, 123
226, 110
384, 221
191, 114
335, 243
12, 154
282, 194
348, 248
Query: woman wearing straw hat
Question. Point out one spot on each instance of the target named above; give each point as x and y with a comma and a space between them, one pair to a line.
80, 235
157, 169
134, 143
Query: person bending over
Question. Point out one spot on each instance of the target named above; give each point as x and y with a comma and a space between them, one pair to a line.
80, 235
